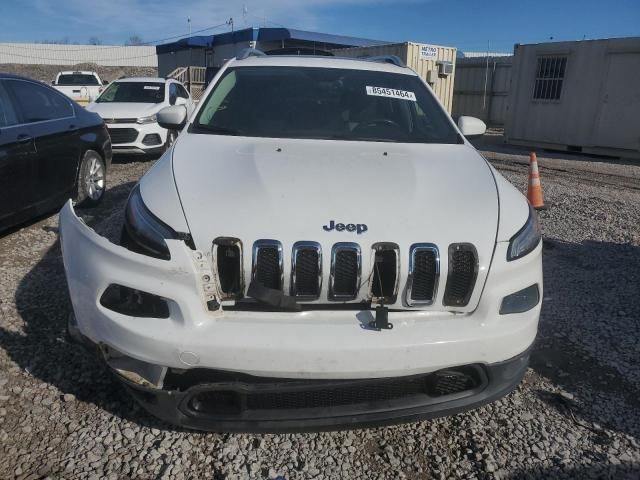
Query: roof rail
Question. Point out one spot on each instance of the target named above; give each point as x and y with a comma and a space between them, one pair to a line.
250, 52
393, 59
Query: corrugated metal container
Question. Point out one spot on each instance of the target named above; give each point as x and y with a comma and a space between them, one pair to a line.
481, 88
429, 61
53, 54
580, 96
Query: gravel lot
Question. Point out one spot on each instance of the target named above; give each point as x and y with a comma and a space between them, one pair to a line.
576, 415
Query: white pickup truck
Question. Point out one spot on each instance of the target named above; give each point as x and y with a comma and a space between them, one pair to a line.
82, 87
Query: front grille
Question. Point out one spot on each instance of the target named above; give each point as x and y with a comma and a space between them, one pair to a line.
384, 281
345, 271
424, 270
463, 270
338, 395
269, 397
123, 135
267, 263
120, 120
306, 270
228, 255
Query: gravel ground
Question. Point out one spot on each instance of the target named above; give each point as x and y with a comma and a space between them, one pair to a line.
576, 415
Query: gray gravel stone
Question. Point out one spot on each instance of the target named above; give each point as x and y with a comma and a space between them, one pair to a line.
576, 414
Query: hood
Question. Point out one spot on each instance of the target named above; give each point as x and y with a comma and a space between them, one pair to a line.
289, 190
124, 110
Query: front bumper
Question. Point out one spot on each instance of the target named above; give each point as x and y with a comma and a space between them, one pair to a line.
256, 404
152, 132
314, 345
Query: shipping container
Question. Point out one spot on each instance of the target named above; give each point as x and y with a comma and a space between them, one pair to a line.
481, 88
434, 63
581, 96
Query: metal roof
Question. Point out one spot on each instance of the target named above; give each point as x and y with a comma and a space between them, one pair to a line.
266, 35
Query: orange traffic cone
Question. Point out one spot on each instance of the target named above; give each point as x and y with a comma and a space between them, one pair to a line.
534, 192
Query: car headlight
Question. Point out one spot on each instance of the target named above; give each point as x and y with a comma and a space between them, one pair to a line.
145, 232
527, 238
149, 119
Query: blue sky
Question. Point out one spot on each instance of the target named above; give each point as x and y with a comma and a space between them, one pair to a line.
466, 24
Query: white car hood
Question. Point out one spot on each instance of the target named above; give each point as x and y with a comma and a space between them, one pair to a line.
256, 188
125, 110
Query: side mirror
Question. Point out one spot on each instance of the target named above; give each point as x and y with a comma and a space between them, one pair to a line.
53, 82
105, 82
172, 118
471, 126
172, 99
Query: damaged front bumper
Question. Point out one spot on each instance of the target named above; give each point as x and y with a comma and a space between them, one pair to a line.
198, 355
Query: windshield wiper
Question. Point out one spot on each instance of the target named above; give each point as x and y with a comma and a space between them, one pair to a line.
217, 130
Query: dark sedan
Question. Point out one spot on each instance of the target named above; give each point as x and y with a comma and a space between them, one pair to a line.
51, 149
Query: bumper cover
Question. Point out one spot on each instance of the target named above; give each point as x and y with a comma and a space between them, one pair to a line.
274, 405
137, 147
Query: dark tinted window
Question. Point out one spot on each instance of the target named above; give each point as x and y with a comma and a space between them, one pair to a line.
133, 92
70, 79
327, 103
8, 114
38, 103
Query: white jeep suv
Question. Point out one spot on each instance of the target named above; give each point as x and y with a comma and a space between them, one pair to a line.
129, 107
320, 248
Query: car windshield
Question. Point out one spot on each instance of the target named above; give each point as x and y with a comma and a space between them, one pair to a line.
324, 103
70, 79
133, 92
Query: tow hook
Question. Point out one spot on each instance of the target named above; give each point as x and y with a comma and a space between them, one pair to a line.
382, 319
382, 313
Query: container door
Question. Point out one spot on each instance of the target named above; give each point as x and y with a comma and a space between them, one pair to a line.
619, 117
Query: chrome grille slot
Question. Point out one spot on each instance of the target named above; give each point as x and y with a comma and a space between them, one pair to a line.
346, 265
267, 264
386, 272
306, 270
228, 260
424, 273
463, 270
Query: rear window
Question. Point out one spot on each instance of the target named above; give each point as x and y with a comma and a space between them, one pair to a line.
133, 92
77, 79
324, 103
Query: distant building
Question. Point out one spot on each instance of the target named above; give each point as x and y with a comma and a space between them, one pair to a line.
214, 50
483, 54
581, 96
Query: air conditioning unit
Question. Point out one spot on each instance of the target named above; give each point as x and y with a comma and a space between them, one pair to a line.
445, 68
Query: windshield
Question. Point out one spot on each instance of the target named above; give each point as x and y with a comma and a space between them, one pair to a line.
133, 92
326, 103
69, 79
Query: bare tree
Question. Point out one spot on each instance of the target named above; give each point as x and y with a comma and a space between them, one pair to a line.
95, 41
134, 40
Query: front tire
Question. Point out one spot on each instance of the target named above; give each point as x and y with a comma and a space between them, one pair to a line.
92, 180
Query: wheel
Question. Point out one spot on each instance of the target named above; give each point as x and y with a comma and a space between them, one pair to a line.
92, 180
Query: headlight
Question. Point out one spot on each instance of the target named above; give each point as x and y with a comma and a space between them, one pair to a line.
146, 232
149, 119
526, 239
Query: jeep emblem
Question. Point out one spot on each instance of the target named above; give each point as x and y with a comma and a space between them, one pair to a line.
349, 227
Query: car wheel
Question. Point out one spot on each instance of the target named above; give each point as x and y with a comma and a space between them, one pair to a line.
92, 180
